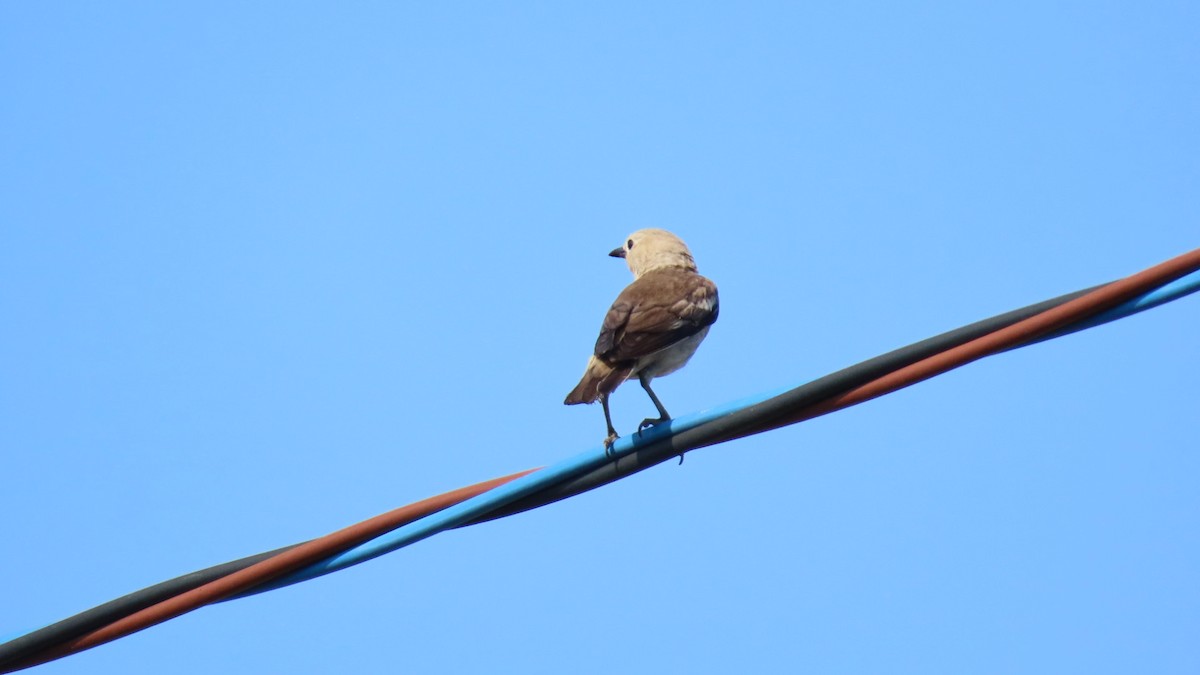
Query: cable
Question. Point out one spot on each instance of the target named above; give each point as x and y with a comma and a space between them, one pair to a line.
742, 414
781, 410
1182, 286
149, 607
842, 380
853, 385
56, 633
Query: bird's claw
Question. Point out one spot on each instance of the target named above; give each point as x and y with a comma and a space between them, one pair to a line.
649, 422
608, 443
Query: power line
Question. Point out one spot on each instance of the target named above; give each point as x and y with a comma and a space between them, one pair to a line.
518, 492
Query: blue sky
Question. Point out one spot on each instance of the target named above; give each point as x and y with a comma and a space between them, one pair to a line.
267, 271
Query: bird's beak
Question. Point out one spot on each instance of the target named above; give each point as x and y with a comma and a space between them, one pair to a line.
617, 252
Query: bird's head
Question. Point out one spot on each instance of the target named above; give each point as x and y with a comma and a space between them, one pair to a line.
652, 249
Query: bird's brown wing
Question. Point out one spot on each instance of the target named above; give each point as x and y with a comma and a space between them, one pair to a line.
657, 310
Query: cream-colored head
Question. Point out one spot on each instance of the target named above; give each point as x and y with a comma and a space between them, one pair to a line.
653, 249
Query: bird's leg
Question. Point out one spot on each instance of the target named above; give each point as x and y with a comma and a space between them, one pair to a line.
663, 415
612, 433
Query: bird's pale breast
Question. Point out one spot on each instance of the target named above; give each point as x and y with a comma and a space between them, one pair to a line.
671, 359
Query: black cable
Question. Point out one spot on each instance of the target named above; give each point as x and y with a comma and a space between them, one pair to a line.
759, 417
101, 615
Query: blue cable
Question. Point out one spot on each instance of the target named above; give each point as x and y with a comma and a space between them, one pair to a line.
500, 496
575, 466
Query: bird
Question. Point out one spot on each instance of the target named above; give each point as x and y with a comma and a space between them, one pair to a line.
653, 327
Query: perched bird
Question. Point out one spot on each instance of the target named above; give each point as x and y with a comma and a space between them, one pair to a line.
653, 327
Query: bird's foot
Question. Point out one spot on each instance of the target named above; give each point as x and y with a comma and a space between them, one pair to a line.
651, 421
608, 443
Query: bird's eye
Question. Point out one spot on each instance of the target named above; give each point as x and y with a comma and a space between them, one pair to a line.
629, 245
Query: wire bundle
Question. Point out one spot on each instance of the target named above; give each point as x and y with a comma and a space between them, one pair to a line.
537, 487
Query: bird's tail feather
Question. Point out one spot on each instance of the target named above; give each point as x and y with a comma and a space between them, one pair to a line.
599, 378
